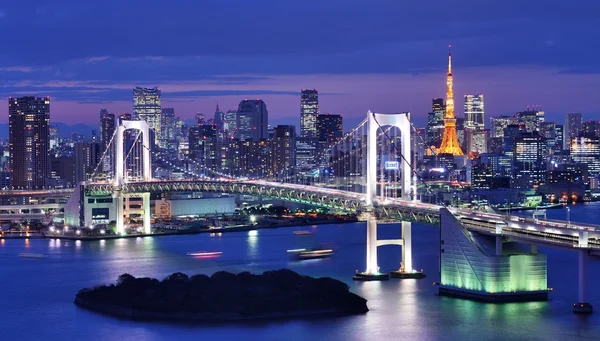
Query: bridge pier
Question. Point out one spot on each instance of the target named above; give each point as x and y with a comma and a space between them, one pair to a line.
406, 270
372, 272
146, 205
119, 202
583, 306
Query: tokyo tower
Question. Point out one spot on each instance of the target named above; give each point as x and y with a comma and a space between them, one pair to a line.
450, 144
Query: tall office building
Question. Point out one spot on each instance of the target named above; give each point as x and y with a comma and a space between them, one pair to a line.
573, 126
329, 127
498, 123
103, 112
474, 112
219, 118
284, 151
591, 128
252, 120
230, 123
147, 107
435, 122
586, 150
107, 130
54, 138
167, 125
529, 155
29, 142
530, 119
87, 157
309, 110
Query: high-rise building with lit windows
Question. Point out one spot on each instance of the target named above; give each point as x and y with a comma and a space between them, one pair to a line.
474, 112
29, 142
586, 150
252, 120
147, 107
309, 111
435, 122
284, 151
573, 126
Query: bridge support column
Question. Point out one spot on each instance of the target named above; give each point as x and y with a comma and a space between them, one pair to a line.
499, 241
406, 269
118, 199
582, 306
372, 272
146, 203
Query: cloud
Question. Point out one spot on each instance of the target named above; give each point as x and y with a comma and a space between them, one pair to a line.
97, 59
25, 69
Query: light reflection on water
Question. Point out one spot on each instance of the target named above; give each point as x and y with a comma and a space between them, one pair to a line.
406, 309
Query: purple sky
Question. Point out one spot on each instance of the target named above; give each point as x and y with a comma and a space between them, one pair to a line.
387, 56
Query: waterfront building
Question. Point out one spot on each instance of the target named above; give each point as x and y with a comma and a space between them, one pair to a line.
586, 150
29, 142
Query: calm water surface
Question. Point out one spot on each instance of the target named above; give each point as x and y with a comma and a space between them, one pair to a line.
38, 293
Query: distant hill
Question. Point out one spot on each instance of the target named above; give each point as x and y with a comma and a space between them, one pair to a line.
64, 130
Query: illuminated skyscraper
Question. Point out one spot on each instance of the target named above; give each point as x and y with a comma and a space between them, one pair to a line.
498, 123
230, 123
435, 122
252, 120
284, 151
309, 111
474, 113
107, 131
147, 107
573, 126
29, 142
450, 143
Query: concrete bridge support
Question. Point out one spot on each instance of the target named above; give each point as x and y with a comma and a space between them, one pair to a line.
146, 205
119, 202
406, 268
372, 272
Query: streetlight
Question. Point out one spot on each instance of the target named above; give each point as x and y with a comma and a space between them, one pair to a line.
568, 217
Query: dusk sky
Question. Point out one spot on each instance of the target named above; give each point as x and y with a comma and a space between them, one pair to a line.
386, 56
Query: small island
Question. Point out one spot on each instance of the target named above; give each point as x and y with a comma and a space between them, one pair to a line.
224, 296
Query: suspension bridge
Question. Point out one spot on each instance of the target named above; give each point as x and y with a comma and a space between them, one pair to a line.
481, 253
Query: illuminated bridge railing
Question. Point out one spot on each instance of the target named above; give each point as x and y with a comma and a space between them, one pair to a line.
318, 197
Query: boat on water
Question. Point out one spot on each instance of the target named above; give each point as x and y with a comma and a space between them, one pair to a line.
31, 255
313, 253
205, 254
526, 208
302, 233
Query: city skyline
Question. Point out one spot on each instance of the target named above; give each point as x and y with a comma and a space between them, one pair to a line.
356, 67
